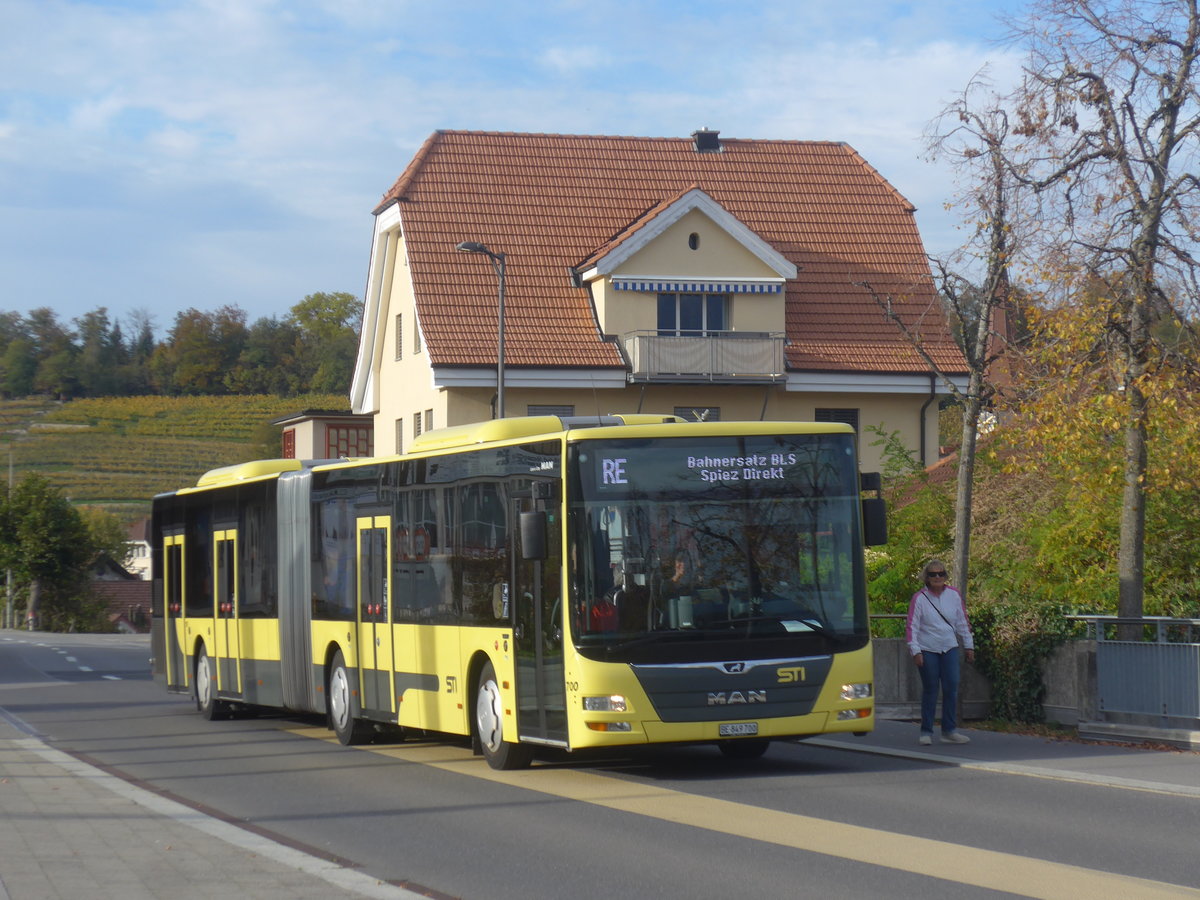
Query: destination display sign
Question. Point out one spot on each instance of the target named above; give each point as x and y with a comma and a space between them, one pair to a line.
818, 464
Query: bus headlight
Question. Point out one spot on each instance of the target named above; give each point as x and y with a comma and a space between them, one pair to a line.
612, 703
846, 715
860, 691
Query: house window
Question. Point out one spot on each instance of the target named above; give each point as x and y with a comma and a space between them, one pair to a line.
691, 315
699, 413
845, 416
416, 338
543, 409
399, 435
348, 440
429, 420
289, 444
417, 425
399, 336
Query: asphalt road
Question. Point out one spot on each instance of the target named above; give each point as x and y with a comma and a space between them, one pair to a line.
806, 820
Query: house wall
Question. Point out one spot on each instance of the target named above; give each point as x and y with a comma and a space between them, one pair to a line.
406, 383
892, 412
719, 254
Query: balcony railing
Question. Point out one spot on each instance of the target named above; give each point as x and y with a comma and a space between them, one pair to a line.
749, 357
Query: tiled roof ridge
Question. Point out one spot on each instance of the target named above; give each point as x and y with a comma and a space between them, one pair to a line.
396, 191
636, 224
459, 132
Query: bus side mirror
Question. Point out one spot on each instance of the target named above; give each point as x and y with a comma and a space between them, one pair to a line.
533, 535
874, 516
874, 510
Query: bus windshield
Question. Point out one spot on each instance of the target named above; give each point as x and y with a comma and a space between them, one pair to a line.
714, 538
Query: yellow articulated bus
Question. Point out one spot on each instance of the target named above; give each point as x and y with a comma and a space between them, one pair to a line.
533, 582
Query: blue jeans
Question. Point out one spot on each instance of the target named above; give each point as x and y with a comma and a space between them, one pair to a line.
939, 670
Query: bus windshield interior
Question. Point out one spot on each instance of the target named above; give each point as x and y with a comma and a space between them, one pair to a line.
692, 539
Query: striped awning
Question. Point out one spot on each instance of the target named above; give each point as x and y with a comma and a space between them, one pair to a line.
696, 286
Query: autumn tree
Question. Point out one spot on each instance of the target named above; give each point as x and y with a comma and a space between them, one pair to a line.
200, 349
1110, 118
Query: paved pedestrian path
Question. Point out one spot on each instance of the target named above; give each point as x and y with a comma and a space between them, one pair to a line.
69, 830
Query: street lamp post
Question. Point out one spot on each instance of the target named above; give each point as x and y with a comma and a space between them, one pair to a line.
497, 260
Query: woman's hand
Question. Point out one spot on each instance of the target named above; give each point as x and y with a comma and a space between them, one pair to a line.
919, 659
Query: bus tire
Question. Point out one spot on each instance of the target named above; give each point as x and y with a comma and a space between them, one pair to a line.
205, 690
746, 748
340, 705
489, 726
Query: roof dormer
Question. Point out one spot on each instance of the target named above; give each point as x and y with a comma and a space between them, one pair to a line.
685, 273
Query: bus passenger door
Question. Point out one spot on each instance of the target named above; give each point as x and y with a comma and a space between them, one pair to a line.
227, 645
538, 625
174, 610
375, 676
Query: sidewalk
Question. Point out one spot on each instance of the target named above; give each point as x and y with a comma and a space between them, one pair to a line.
69, 830
1114, 765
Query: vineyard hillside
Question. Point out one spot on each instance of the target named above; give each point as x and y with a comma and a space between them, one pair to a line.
118, 452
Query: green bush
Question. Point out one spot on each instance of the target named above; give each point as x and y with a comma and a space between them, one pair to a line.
1012, 640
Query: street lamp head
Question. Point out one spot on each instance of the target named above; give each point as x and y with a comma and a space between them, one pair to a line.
472, 247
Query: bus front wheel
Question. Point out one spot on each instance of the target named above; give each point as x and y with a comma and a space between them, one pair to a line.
745, 748
489, 724
348, 729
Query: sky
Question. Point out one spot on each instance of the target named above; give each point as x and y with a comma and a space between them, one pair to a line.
157, 156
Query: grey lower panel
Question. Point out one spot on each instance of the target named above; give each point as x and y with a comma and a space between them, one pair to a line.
711, 692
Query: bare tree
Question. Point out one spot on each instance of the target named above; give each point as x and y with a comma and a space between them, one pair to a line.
971, 133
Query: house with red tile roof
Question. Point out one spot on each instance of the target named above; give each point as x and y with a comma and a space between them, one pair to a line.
701, 276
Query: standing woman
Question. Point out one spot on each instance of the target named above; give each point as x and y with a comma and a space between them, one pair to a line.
937, 622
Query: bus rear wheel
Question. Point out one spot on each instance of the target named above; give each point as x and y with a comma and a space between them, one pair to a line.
489, 725
340, 705
205, 690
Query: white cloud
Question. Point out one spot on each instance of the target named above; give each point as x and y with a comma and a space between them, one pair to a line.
192, 125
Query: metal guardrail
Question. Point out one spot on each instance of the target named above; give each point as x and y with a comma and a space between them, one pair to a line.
1156, 675
1161, 629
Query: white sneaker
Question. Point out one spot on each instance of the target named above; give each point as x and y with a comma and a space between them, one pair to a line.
926, 740
953, 737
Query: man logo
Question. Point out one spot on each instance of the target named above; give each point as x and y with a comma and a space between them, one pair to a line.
735, 668
720, 698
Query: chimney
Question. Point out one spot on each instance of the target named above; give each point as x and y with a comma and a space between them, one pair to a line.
706, 141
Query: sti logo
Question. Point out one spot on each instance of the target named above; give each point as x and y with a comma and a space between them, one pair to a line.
612, 471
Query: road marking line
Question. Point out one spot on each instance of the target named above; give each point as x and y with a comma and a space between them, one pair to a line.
990, 869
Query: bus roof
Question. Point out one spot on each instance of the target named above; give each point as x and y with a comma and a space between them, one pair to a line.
525, 426
516, 428
247, 471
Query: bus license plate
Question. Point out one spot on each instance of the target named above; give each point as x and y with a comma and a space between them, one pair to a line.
738, 729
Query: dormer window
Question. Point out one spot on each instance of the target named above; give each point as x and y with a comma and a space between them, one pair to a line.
692, 315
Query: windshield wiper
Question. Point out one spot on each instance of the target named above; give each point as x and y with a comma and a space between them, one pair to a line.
783, 619
655, 636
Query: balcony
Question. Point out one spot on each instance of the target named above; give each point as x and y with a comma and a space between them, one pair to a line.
730, 357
